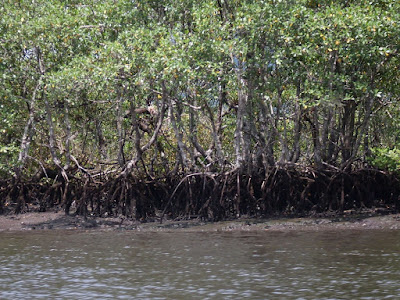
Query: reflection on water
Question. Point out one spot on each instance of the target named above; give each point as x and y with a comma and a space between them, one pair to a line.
264, 265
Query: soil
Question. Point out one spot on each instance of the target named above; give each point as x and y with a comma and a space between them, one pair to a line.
57, 220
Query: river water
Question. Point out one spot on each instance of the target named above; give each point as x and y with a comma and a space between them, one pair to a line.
178, 265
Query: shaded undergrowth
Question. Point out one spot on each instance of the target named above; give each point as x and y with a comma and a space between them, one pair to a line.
210, 196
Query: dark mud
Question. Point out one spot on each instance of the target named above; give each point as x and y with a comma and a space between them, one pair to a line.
59, 221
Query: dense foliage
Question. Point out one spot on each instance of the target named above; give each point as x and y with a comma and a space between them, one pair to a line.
156, 88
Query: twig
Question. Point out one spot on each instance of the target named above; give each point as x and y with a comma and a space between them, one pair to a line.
210, 175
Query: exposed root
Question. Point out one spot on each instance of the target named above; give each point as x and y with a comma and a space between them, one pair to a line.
210, 196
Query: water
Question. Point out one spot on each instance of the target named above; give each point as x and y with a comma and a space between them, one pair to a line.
261, 265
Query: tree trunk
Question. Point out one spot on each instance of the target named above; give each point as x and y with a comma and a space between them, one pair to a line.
266, 135
347, 131
316, 138
28, 132
120, 134
295, 154
193, 120
100, 139
68, 136
240, 115
178, 135
135, 125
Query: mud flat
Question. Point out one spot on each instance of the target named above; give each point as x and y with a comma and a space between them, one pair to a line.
57, 220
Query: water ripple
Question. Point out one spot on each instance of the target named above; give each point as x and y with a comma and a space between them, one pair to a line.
88, 265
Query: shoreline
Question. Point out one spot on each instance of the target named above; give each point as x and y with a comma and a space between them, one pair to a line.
57, 220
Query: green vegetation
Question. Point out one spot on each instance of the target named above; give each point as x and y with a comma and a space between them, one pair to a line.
386, 159
122, 91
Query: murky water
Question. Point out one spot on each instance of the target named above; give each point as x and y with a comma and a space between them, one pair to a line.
130, 265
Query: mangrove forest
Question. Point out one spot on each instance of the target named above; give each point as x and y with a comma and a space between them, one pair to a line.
214, 109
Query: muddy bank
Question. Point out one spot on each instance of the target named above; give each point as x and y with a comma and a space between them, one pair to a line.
206, 201
59, 221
